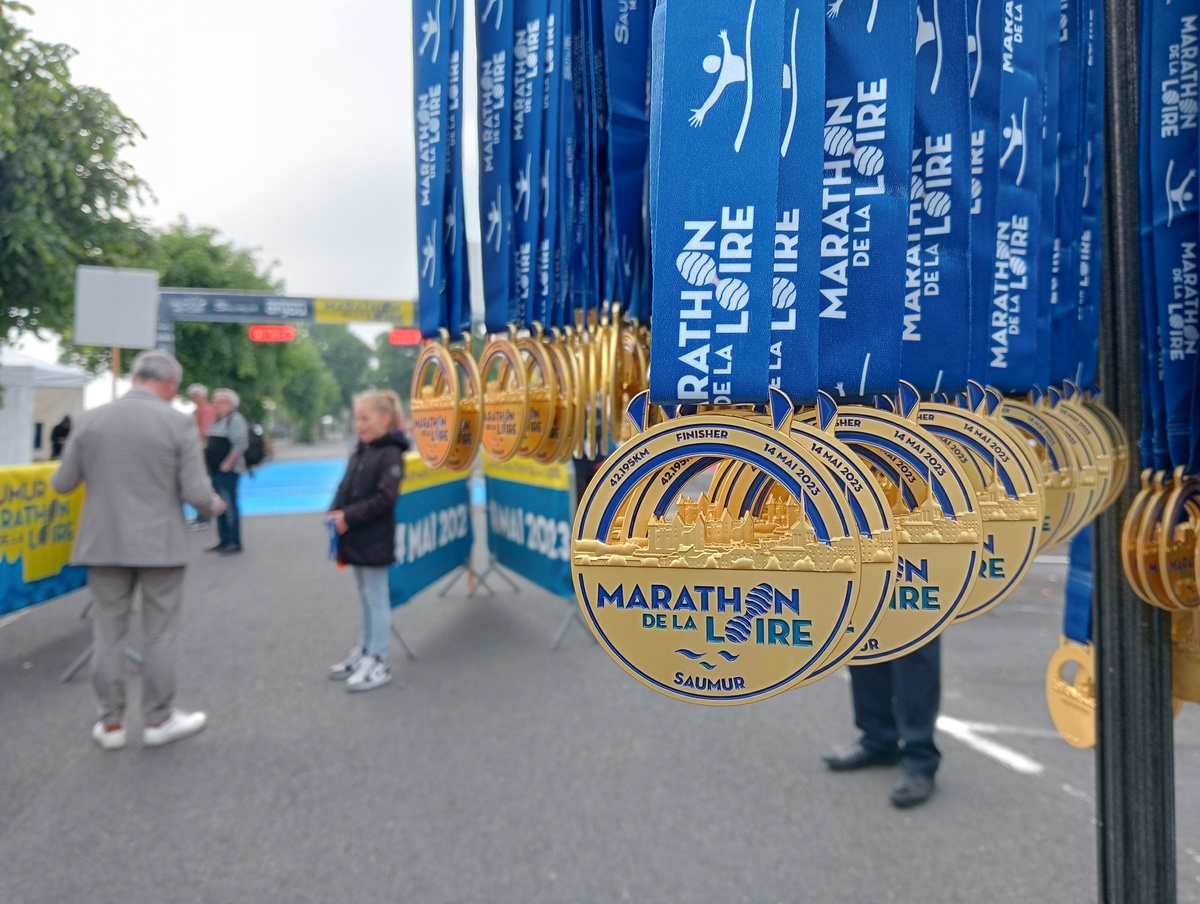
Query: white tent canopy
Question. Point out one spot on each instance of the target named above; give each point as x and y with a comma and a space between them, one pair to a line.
33, 392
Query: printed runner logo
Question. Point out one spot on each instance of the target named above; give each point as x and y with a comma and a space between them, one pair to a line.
1178, 196
835, 10
730, 69
431, 29
1015, 133
930, 31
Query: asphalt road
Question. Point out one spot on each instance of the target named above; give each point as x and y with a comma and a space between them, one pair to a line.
502, 771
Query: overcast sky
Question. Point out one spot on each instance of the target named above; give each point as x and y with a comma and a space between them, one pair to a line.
287, 126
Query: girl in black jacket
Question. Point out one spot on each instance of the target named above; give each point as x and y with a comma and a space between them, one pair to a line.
364, 515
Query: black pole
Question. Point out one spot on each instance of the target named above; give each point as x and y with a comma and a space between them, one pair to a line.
1135, 767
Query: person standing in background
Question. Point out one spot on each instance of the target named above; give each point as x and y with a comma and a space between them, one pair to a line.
204, 415
140, 460
224, 451
58, 436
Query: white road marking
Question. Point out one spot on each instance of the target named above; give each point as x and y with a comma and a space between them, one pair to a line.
967, 733
6, 620
1076, 793
1052, 560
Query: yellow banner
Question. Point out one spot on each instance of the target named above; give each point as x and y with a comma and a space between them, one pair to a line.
419, 476
355, 310
524, 470
37, 525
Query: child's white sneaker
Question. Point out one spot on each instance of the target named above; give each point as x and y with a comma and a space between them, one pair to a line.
371, 673
347, 666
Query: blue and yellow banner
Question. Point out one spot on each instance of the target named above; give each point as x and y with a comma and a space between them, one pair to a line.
37, 528
529, 521
433, 527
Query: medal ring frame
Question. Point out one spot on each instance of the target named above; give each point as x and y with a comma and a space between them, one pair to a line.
470, 410
1151, 532
630, 367
435, 401
1129, 536
505, 401
1055, 463
542, 386
1072, 704
563, 421
601, 534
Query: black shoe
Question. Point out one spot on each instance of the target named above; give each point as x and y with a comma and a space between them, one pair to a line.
220, 547
857, 756
912, 789
227, 550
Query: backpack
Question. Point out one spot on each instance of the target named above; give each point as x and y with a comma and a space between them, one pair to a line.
257, 450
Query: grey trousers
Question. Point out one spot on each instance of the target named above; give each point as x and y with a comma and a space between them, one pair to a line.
112, 588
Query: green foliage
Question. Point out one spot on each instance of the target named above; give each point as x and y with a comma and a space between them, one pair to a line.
65, 192
346, 356
396, 365
309, 390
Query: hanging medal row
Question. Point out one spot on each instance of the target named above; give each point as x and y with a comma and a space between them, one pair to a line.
1158, 542
819, 282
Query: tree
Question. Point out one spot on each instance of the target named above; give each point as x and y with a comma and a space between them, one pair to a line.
310, 390
346, 356
396, 365
65, 191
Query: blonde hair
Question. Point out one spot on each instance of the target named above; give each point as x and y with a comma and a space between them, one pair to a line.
384, 401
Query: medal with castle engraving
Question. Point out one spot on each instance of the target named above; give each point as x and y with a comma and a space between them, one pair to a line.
1071, 698
1006, 482
1177, 542
1059, 504
542, 385
939, 529
701, 605
1129, 535
470, 408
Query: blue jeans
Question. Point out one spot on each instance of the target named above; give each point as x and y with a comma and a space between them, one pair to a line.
376, 602
896, 706
229, 524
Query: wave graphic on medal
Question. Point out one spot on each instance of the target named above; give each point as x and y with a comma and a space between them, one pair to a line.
695, 599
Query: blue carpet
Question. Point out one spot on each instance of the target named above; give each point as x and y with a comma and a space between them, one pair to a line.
289, 487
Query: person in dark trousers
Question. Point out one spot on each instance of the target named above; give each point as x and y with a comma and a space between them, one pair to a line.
224, 453
895, 708
363, 514
58, 436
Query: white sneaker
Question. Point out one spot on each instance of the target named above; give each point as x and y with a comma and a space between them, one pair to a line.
178, 726
371, 673
347, 666
109, 740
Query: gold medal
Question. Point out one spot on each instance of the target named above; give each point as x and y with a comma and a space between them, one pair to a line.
701, 605
1151, 531
1185, 656
542, 391
1049, 447
1095, 438
435, 403
470, 408
1006, 481
1177, 542
630, 377
505, 398
1072, 700
562, 409
939, 529
1129, 536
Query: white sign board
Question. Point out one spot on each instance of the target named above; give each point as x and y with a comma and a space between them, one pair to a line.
116, 308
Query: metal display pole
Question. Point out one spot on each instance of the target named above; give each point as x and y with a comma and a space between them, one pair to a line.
1135, 791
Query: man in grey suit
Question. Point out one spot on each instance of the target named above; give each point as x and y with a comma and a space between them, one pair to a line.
141, 460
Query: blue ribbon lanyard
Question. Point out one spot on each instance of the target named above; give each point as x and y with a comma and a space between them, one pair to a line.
796, 264
431, 78
1065, 356
626, 52
600, 273
526, 164
546, 303
985, 23
937, 283
1047, 234
566, 170
713, 255
494, 40
1175, 237
1088, 255
1077, 612
864, 195
1013, 350
458, 283
1153, 442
